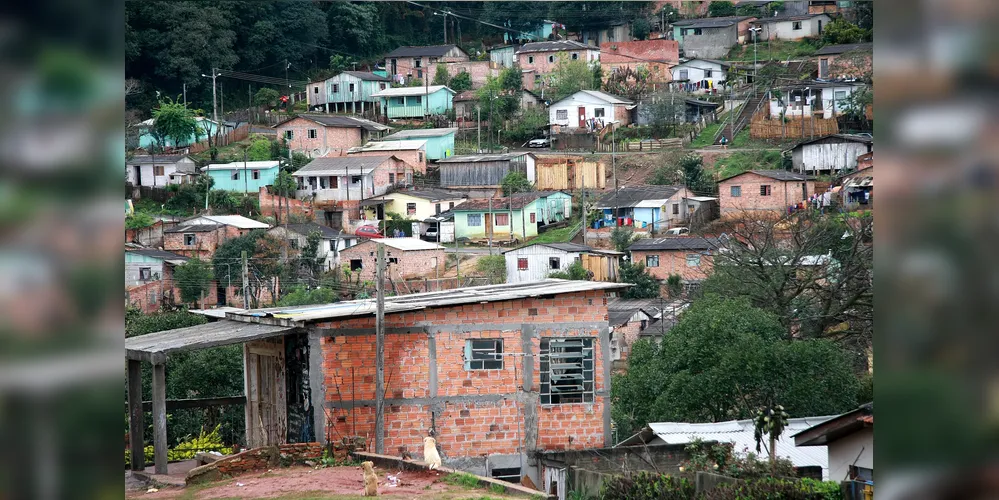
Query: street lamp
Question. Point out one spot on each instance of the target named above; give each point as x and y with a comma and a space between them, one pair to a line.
215, 113
755, 30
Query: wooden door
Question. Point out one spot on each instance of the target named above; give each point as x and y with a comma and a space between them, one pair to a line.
582, 117
264, 384
489, 224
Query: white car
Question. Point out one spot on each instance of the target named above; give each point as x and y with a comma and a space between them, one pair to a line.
539, 143
677, 231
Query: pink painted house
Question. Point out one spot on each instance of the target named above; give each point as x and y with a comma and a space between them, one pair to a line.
538, 59
691, 257
317, 135
768, 190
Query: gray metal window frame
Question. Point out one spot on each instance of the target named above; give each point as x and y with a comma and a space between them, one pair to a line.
481, 356
567, 370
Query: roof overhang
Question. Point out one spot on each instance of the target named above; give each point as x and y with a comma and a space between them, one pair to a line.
154, 347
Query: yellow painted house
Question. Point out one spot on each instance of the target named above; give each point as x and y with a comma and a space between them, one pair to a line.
415, 204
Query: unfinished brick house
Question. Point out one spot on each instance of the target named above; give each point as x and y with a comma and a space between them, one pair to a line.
318, 136
496, 373
200, 236
763, 190
691, 257
405, 258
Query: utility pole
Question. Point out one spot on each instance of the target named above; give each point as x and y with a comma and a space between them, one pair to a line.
215, 112
221, 103
478, 129
617, 203
582, 204
490, 235
246, 283
185, 95
380, 353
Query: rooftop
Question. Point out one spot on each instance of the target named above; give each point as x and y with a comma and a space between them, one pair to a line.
843, 48
481, 158
637, 196
305, 229
363, 75
431, 194
240, 165
711, 22
676, 243
404, 145
603, 96
866, 139
419, 132
210, 222
339, 122
410, 91
778, 19
567, 247
405, 244
342, 165
163, 255
837, 427
553, 46
519, 201
144, 159
418, 51
779, 175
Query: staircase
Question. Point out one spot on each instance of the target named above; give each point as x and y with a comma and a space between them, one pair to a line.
729, 129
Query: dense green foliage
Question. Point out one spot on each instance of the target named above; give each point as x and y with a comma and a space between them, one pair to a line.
138, 220
260, 149
266, 97
769, 488
692, 166
460, 82
645, 485
531, 123
622, 237
193, 278
492, 267
137, 323
721, 458
441, 76
516, 182
721, 9
725, 359
304, 296
570, 77
176, 121
575, 271
841, 31
645, 285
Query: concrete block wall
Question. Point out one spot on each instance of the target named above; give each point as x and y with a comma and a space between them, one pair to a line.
329, 141
782, 194
410, 264
675, 262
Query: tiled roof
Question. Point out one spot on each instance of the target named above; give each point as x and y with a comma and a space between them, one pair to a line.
779, 175
676, 243
341, 165
417, 51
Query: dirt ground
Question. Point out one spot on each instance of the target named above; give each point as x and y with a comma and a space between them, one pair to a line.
328, 483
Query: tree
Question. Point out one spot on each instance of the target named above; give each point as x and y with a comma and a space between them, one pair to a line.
266, 97
769, 422
339, 64
622, 237
260, 149
724, 360
721, 9
645, 285
570, 77
138, 220
460, 82
176, 121
641, 28
663, 109
694, 177
310, 262
264, 263
441, 75
516, 182
674, 286
193, 278
305, 296
841, 31
492, 267
575, 272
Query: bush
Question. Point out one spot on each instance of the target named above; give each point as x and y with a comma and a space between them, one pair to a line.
575, 271
138, 220
492, 267
769, 488
830, 490
516, 182
645, 285
648, 486
622, 238
303, 296
137, 323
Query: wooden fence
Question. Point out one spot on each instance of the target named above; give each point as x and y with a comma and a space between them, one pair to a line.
240, 133
793, 128
652, 144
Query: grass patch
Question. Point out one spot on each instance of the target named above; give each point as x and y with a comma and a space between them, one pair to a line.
706, 137
498, 489
462, 479
741, 161
779, 50
560, 235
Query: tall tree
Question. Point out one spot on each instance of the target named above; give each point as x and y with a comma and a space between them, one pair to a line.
193, 278
176, 121
570, 77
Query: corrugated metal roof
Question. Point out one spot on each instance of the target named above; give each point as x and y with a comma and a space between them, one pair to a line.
163, 255
144, 159
430, 194
676, 243
843, 48
636, 196
193, 228
481, 158
219, 333
363, 75
404, 244
778, 19
307, 228
553, 46
520, 200
239, 165
235, 221
406, 145
419, 132
410, 91
420, 51
339, 122
341, 165
779, 175
711, 22
603, 96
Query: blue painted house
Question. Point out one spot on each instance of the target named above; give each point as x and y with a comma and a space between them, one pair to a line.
440, 141
206, 127
652, 208
415, 102
246, 177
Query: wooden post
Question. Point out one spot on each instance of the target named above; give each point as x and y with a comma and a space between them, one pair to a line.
135, 424
246, 282
159, 418
380, 354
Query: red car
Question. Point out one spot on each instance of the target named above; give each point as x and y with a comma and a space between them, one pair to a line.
368, 232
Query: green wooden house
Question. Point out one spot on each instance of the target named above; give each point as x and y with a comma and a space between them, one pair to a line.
415, 102
347, 92
523, 214
440, 141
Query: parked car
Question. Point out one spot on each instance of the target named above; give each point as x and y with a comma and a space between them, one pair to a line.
677, 231
539, 143
431, 234
368, 232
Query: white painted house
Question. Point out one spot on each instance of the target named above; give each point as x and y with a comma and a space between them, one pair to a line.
790, 27
849, 440
159, 170
331, 243
536, 262
709, 73
588, 107
830, 154
823, 99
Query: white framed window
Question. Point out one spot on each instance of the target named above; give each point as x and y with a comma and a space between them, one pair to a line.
693, 260
796, 25
189, 239
551, 59
145, 273
566, 370
484, 354
313, 133
417, 63
474, 220
651, 261
235, 175
562, 114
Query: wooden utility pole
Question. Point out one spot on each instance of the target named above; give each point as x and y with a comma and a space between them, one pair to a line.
380, 353
246, 282
478, 128
582, 203
490, 235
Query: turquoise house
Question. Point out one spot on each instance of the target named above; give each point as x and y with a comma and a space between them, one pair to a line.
522, 213
207, 126
554, 206
440, 141
347, 92
246, 177
415, 102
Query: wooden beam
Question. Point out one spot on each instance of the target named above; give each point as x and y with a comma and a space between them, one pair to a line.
159, 418
135, 415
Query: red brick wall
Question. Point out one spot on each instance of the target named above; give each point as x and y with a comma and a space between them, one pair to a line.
328, 139
205, 243
269, 204
627, 334
412, 263
541, 66
467, 429
393, 166
782, 194
620, 55
675, 262
479, 71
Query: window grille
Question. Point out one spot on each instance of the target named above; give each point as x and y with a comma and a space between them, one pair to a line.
566, 370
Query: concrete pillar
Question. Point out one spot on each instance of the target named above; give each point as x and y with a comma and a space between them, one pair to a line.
159, 418
135, 424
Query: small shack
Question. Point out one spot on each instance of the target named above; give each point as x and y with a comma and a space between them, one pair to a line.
569, 172
538, 261
484, 170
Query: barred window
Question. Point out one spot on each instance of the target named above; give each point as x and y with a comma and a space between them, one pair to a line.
566, 370
562, 114
484, 354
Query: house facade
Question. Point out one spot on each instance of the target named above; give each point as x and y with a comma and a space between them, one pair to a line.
503, 56
849, 442
691, 257
655, 57
405, 63
146, 265
618, 31
159, 170
347, 92
538, 59
318, 136
200, 236
536, 262
857, 189
711, 37
351, 178
790, 27
767, 190
246, 177
484, 170
421, 204
415, 102
515, 217
852, 60
440, 141
331, 242
700, 76
819, 99
405, 258
654, 208
590, 109
833, 154
411, 151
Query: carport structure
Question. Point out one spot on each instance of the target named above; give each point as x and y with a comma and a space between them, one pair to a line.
263, 364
